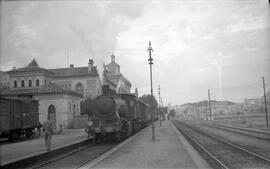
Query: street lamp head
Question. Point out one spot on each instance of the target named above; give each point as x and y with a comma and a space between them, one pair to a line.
150, 49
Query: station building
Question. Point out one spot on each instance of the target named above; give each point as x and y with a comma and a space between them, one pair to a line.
59, 91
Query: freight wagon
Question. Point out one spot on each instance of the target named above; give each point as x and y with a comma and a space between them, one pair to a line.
18, 118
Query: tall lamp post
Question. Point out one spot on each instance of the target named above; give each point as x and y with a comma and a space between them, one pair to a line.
150, 50
159, 106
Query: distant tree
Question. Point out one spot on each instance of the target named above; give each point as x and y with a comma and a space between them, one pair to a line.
150, 100
172, 113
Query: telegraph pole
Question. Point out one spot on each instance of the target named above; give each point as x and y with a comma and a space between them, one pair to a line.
209, 102
265, 104
159, 102
150, 50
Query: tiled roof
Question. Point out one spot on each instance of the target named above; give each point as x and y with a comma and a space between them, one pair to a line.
49, 89
33, 63
75, 71
32, 67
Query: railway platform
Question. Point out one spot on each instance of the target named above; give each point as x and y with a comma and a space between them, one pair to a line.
33, 149
170, 150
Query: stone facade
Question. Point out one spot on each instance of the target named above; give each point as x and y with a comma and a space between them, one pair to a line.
88, 87
83, 80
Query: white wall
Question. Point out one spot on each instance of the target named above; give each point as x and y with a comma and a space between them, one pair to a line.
64, 114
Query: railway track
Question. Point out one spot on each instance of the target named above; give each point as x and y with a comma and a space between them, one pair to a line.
220, 152
247, 132
81, 157
77, 158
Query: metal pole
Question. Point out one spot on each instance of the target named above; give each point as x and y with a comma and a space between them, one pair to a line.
150, 49
209, 101
206, 111
265, 104
159, 105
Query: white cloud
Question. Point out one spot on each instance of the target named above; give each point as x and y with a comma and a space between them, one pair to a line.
197, 44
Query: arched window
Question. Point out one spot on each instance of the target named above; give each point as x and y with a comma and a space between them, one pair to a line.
15, 84
30, 83
79, 88
22, 83
37, 82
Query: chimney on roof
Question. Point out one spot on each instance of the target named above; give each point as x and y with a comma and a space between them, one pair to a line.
90, 65
71, 66
14, 68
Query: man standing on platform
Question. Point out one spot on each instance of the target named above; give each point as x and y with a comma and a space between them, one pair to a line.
48, 131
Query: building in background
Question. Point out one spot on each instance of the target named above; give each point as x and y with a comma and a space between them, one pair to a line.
83, 80
59, 91
257, 101
113, 77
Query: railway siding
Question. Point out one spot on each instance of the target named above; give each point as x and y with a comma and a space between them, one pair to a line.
222, 150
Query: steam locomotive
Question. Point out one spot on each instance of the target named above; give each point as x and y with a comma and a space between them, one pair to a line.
118, 116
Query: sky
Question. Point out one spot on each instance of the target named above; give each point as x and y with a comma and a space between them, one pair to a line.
221, 45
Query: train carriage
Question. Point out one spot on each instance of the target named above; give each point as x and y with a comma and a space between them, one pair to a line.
18, 117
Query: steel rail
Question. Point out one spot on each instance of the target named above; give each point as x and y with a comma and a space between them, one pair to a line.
203, 148
239, 131
230, 144
246, 129
89, 160
61, 157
